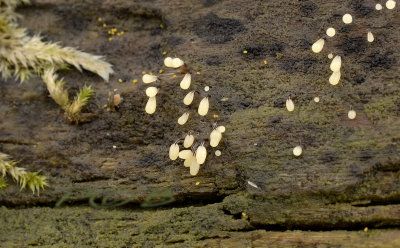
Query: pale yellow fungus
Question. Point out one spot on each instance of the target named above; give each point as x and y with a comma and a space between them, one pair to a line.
289, 105
104, 25
378, 6
198, 73
207, 88
105, 106
185, 154
244, 51
221, 129
297, 151
215, 138
366, 229
203, 106
188, 99
316, 99
168, 62
161, 25
161, 71
151, 105
120, 80
134, 81
218, 153
215, 116
164, 53
318, 45
265, 62
201, 154
151, 91
188, 141
174, 151
185, 83
352, 114
390, 4
335, 78
183, 119
174, 76
330, 56
143, 72
336, 63
197, 183
370, 37
347, 19
330, 32
114, 147
149, 78
177, 62
110, 39
188, 161
194, 167
99, 19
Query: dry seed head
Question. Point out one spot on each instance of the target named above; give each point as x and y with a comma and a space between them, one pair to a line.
183, 119
185, 83
330, 32
151, 105
203, 106
352, 114
188, 99
347, 19
336, 63
147, 78
151, 91
201, 154
289, 105
334, 78
174, 151
297, 151
215, 138
318, 45
188, 141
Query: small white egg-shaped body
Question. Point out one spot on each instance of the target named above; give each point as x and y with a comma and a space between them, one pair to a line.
378, 6
174, 151
316, 99
352, 114
221, 129
297, 151
183, 119
330, 56
218, 153
336, 63
318, 45
189, 161
188, 99
203, 106
194, 167
185, 154
215, 138
370, 37
347, 19
330, 32
151, 91
185, 83
390, 4
289, 105
201, 154
168, 62
147, 78
188, 141
334, 78
151, 105
206, 88
177, 62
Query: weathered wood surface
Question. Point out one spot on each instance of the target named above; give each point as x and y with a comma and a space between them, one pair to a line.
347, 178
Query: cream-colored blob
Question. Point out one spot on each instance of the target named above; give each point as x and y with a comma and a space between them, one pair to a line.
203, 106
318, 46
174, 151
183, 119
151, 105
334, 78
185, 83
188, 141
